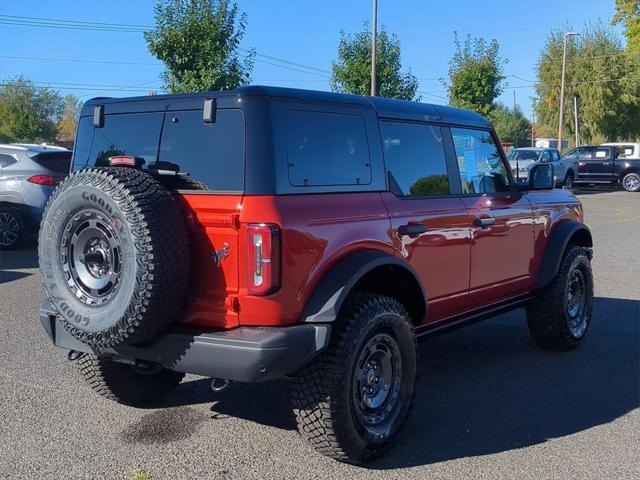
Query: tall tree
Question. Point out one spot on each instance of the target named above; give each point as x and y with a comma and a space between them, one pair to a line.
28, 113
69, 120
628, 14
511, 125
351, 72
198, 41
597, 71
475, 74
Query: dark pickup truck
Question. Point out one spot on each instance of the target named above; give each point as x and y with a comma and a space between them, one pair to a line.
604, 164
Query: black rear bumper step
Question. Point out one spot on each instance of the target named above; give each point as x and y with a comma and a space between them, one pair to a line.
244, 354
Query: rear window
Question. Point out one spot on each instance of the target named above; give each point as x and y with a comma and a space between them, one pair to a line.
211, 154
58, 162
327, 149
205, 156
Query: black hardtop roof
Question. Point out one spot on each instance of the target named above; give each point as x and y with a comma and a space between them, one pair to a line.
385, 107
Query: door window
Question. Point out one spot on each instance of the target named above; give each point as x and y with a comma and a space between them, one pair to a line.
482, 169
6, 160
555, 156
415, 159
546, 156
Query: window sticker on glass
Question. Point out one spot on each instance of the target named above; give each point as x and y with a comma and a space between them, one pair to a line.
601, 154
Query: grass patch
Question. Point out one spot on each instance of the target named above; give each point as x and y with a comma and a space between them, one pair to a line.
139, 474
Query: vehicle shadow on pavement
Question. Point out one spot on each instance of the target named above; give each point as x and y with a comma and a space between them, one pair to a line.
18, 259
484, 389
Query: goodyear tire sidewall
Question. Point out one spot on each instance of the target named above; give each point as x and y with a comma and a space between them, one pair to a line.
69, 202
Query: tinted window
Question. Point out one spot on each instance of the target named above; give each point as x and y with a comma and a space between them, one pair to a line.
574, 154
327, 149
523, 155
210, 156
58, 162
6, 160
546, 156
555, 156
415, 159
481, 167
82, 147
136, 135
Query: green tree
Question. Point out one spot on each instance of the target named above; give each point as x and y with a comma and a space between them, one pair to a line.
598, 72
628, 14
511, 125
28, 113
198, 41
475, 74
69, 121
351, 72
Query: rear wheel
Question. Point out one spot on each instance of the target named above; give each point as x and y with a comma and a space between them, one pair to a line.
135, 385
560, 316
631, 182
352, 401
11, 229
568, 180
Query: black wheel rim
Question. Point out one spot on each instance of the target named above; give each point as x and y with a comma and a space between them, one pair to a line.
377, 381
91, 257
576, 303
9, 229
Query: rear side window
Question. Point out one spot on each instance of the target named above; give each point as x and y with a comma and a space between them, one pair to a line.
326, 149
6, 160
415, 159
59, 162
136, 135
481, 167
209, 154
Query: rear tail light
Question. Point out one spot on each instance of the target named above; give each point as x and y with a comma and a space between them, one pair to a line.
48, 180
264, 258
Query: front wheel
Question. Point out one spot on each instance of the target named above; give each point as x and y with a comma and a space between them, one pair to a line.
560, 315
631, 182
352, 401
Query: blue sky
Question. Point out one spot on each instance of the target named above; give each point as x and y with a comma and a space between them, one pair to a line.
299, 31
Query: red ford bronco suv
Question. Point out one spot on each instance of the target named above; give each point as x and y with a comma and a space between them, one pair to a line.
263, 232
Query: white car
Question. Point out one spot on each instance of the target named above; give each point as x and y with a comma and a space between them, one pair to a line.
626, 149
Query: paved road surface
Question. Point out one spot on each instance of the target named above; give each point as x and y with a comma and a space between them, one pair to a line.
489, 404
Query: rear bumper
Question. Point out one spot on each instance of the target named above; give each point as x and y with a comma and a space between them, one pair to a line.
243, 354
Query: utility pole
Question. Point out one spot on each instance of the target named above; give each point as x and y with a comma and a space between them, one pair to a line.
374, 37
533, 125
515, 140
575, 118
564, 72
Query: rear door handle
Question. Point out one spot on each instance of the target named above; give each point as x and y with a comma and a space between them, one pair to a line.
412, 229
485, 222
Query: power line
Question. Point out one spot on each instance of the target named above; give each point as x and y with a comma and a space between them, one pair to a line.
70, 60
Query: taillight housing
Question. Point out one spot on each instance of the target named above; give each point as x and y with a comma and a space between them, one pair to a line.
263, 259
42, 179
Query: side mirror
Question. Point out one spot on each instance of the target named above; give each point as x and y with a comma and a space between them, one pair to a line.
541, 177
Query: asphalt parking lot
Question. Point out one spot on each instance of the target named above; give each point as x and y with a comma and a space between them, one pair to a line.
489, 403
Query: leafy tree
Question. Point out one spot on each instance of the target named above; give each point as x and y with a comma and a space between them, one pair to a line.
628, 14
352, 70
598, 73
475, 74
430, 185
28, 113
198, 41
69, 120
511, 125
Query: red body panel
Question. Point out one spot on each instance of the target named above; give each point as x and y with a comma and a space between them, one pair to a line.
462, 267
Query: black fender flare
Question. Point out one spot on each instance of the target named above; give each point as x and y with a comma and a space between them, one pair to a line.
556, 246
328, 296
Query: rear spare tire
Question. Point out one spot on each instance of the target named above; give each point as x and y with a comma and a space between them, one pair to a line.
114, 256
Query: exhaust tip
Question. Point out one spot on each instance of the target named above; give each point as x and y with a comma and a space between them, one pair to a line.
219, 384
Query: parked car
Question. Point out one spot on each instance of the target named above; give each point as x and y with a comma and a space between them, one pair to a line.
28, 174
262, 233
606, 164
627, 150
522, 159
